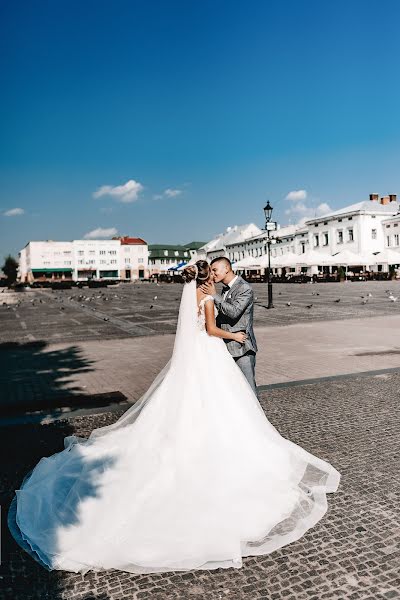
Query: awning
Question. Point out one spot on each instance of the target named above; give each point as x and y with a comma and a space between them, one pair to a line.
51, 270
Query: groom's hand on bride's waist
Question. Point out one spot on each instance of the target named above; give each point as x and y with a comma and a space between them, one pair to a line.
208, 288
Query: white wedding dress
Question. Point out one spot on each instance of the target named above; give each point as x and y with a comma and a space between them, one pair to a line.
192, 476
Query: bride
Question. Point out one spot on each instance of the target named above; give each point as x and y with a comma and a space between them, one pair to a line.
192, 476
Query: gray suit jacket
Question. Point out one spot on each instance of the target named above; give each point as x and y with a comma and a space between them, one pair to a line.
235, 313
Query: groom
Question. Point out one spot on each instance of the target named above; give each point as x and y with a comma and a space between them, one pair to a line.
235, 313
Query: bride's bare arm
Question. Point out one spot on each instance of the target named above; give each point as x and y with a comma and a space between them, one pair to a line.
212, 329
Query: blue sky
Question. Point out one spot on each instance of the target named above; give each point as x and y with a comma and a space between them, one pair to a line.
171, 120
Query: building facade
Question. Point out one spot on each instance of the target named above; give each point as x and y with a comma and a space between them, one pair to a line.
81, 260
134, 258
363, 229
168, 256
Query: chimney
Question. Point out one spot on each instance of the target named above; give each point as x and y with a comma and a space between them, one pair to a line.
385, 200
393, 197
374, 197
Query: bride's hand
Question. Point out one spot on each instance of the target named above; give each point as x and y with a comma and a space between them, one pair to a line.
240, 337
208, 288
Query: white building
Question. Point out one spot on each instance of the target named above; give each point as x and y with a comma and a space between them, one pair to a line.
134, 258
163, 257
237, 234
96, 259
391, 231
81, 260
46, 259
354, 235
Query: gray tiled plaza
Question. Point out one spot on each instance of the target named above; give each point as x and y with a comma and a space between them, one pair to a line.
60, 351
141, 309
351, 554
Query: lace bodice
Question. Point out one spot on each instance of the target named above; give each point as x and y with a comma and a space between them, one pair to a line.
201, 317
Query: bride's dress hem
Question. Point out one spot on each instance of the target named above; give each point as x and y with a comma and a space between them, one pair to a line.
320, 508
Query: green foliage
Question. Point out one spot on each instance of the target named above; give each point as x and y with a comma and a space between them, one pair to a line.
10, 269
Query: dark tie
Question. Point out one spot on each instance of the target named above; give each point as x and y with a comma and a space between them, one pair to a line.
226, 288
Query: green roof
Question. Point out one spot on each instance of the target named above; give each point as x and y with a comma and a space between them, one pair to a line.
167, 247
195, 245
182, 247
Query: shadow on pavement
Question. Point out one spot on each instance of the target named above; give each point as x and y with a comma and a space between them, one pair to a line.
33, 377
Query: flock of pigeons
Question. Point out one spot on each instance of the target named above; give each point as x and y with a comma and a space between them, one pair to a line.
85, 300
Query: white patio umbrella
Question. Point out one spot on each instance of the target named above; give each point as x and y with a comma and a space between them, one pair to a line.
290, 259
346, 257
248, 262
387, 256
315, 258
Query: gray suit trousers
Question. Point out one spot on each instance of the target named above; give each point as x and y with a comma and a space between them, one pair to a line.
247, 364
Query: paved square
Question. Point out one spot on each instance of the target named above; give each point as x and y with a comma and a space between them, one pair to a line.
353, 553
59, 347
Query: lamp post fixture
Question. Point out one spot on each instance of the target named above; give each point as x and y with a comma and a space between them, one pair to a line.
269, 225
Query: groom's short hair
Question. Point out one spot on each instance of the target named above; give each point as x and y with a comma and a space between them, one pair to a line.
219, 258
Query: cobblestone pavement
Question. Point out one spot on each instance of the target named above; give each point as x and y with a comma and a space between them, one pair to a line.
58, 375
143, 309
353, 553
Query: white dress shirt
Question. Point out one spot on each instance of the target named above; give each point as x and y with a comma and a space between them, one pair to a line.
230, 285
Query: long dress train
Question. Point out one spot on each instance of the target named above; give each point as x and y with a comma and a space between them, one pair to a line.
193, 476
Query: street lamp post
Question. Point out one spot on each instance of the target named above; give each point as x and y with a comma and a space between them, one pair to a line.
268, 214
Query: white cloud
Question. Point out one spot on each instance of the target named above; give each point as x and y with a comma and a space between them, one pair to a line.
14, 212
128, 192
100, 233
168, 193
323, 209
296, 195
300, 209
172, 193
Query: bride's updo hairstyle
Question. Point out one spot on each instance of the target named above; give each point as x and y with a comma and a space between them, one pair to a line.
200, 271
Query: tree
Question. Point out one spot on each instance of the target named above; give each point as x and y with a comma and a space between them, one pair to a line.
10, 269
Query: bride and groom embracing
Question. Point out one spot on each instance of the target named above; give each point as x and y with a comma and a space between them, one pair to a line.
193, 475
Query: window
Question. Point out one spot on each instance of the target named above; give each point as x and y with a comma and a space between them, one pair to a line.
140, 260
102, 251
126, 249
127, 261
102, 262
350, 235
396, 239
176, 253
388, 240
185, 254
80, 262
80, 252
387, 226
340, 236
373, 234
350, 218
111, 252
303, 247
325, 238
68, 262
340, 220
91, 261
112, 261
396, 225
92, 252
67, 251
165, 252
316, 240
